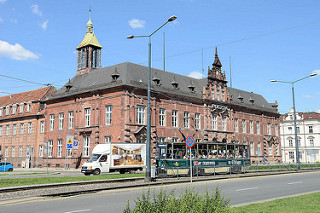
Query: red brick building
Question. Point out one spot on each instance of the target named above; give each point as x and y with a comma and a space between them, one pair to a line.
103, 105
22, 127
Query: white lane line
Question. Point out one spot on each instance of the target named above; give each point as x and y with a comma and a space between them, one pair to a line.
238, 190
81, 210
295, 182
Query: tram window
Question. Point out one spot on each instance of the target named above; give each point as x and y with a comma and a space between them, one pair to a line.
169, 151
179, 150
202, 151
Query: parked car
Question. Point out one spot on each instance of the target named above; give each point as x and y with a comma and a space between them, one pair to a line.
6, 167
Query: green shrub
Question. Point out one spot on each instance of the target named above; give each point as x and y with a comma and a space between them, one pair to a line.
188, 201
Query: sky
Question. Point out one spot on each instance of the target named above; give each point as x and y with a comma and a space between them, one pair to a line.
257, 41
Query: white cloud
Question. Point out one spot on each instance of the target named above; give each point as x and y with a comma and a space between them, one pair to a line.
16, 52
196, 75
3, 1
307, 96
136, 23
318, 111
35, 10
44, 25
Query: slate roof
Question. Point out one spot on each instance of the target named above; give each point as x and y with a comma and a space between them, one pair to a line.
135, 75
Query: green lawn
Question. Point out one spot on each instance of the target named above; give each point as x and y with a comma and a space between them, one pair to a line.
15, 174
46, 180
303, 203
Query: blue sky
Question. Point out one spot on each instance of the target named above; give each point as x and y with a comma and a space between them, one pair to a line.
266, 40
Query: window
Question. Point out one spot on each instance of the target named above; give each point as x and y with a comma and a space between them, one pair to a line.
28, 107
107, 139
108, 115
8, 130
174, 118
40, 150
276, 130
174, 140
7, 110
212, 93
61, 115
259, 146
290, 143
14, 129
41, 126
161, 117
290, 130
291, 155
218, 93
1, 112
186, 119
140, 114
258, 127
13, 151
251, 148
277, 149
251, 127
29, 127
70, 123
270, 148
59, 152
6, 150
236, 124
222, 94
50, 148
21, 128
87, 117
20, 151
14, 109
310, 129
141, 140
268, 129
243, 126
51, 122
1, 130
311, 142
162, 139
197, 121
86, 146
21, 108
214, 122
224, 124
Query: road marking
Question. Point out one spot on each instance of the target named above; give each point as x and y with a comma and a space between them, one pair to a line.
81, 210
238, 190
295, 182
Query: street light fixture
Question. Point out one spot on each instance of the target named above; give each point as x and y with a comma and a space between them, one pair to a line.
294, 113
148, 163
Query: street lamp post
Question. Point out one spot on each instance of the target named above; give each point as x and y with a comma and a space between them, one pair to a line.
294, 113
148, 163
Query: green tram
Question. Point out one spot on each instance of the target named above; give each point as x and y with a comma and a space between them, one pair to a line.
173, 158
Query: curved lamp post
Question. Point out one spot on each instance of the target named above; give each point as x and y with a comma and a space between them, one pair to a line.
294, 113
148, 163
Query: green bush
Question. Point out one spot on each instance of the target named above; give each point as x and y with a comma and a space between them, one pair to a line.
188, 201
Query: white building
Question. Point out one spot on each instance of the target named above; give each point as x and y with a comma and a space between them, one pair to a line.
308, 130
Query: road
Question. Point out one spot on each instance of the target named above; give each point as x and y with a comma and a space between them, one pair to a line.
241, 191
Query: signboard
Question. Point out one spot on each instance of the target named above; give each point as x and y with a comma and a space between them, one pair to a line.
190, 141
69, 141
75, 144
27, 154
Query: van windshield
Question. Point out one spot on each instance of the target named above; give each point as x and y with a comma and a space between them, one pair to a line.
94, 157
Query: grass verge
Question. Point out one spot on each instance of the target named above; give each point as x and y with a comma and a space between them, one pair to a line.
302, 203
47, 180
15, 174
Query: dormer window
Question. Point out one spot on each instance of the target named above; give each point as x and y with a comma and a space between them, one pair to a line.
7, 110
14, 109
1, 112
156, 80
240, 98
28, 107
174, 83
115, 75
191, 87
68, 86
21, 108
251, 100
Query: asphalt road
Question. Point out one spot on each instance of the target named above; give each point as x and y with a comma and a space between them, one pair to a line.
241, 191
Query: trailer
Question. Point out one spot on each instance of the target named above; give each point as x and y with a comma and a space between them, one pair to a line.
115, 157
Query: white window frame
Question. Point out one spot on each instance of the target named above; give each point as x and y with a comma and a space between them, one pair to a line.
1, 112
29, 127
218, 93
107, 139
28, 107
270, 148
21, 108
14, 109
214, 122
162, 117
21, 128
7, 110
174, 118
258, 127
51, 127
87, 115
59, 150
13, 151
14, 129
86, 146
141, 114
20, 151
61, 119
252, 148
311, 142
50, 148
197, 120
41, 126
6, 151
236, 129
251, 127
1, 130
8, 130
244, 126
186, 119
108, 114
290, 143
224, 123
40, 150
70, 123
268, 128
276, 130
